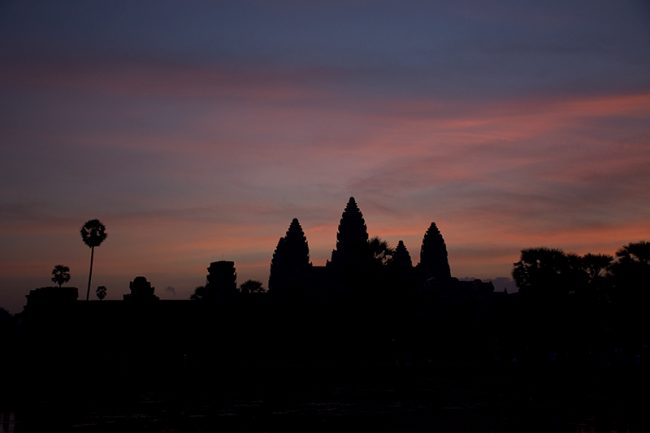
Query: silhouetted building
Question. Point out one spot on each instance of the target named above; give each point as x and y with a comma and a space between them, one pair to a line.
51, 297
319, 283
141, 290
351, 238
290, 265
400, 271
222, 281
352, 258
401, 258
434, 264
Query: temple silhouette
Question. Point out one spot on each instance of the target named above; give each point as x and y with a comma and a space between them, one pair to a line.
360, 268
577, 330
368, 305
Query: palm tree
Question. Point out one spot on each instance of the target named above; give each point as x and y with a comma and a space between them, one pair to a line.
381, 251
93, 234
60, 274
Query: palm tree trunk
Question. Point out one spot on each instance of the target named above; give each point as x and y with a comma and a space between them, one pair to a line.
90, 274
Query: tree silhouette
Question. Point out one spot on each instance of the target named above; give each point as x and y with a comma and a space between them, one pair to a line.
594, 284
381, 251
631, 274
434, 263
101, 292
249, 287
290, 263
93, 233
637, 253
548, 273
595, 265
60, 274
199, 294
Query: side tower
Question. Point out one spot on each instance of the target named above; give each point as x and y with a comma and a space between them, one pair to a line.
290, 264
434, 264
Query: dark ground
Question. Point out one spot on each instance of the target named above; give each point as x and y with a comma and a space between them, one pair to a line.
477, 365
400, 400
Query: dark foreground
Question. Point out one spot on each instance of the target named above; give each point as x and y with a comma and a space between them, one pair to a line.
479, 363
322, 400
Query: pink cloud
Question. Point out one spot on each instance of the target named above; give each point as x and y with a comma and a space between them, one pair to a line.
224, 181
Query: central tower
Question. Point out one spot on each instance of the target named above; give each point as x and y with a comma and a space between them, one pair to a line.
351, 239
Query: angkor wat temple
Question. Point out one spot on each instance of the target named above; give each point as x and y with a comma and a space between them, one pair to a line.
359, 266
360, 269
367, 326
368, 304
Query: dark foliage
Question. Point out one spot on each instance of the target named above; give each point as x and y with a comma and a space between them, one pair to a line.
381, 252
93, 233
251, 287
631, 274
546, 273
60, 275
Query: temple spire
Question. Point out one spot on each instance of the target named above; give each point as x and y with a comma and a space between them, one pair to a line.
352, 237
433, 256
290, 263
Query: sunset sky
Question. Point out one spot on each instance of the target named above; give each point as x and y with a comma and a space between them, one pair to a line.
196, 130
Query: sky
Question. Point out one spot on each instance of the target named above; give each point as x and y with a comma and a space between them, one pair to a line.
196, 130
